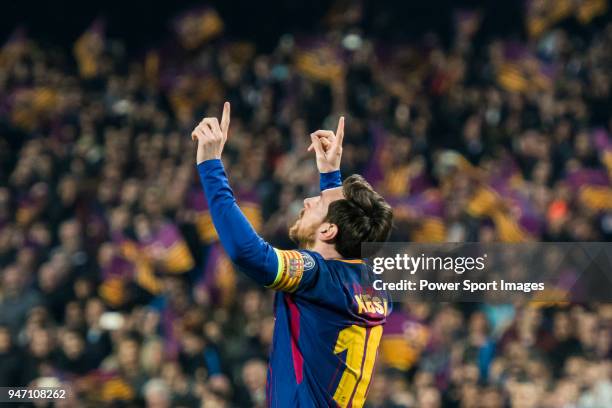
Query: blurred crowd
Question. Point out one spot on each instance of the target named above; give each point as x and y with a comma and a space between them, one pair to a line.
112, 279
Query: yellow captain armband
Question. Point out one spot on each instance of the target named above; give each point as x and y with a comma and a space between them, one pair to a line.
290, 270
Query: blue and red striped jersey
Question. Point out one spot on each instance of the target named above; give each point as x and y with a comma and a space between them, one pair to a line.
328, 322
327, 332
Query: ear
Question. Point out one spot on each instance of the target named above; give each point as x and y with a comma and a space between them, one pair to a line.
327, 231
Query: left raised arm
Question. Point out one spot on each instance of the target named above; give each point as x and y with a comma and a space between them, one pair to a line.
246, 249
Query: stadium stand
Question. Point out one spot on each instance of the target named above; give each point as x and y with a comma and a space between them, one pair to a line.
112, 278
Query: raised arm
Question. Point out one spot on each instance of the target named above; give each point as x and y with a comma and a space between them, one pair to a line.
248, 250
277, 269
328, 149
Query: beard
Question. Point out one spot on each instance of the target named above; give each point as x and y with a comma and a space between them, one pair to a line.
303, 239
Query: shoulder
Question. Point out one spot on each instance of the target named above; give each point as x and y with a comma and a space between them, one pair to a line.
313, 259
345, 264
343, 270
298, 260
296, 268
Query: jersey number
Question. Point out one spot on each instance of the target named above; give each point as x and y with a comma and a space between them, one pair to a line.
356, 377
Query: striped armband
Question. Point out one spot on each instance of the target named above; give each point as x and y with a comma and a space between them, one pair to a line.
290, 270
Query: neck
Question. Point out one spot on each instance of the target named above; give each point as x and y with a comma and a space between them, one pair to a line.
327, 251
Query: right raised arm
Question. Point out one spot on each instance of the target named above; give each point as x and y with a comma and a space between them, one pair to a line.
253, 255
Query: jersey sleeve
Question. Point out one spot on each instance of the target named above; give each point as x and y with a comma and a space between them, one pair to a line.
252, 254
297, 271
284, 270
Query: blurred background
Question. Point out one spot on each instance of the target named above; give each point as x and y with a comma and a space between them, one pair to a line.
478, 120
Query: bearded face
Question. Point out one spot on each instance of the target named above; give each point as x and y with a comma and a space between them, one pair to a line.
302, 235
303, 231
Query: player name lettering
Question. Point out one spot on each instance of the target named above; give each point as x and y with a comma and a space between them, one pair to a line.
371, 304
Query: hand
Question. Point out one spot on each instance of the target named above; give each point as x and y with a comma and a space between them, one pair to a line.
328, 147
211, 136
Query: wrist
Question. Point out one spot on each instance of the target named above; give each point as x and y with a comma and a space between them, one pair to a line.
204, 155
208, 164
201, 160
330, 179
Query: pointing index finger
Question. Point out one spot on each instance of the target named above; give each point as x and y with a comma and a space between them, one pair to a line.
340, 131
225, 118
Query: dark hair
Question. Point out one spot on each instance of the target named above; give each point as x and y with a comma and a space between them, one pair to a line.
362, 216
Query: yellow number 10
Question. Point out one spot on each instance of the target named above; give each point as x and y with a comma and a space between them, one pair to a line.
358, 369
